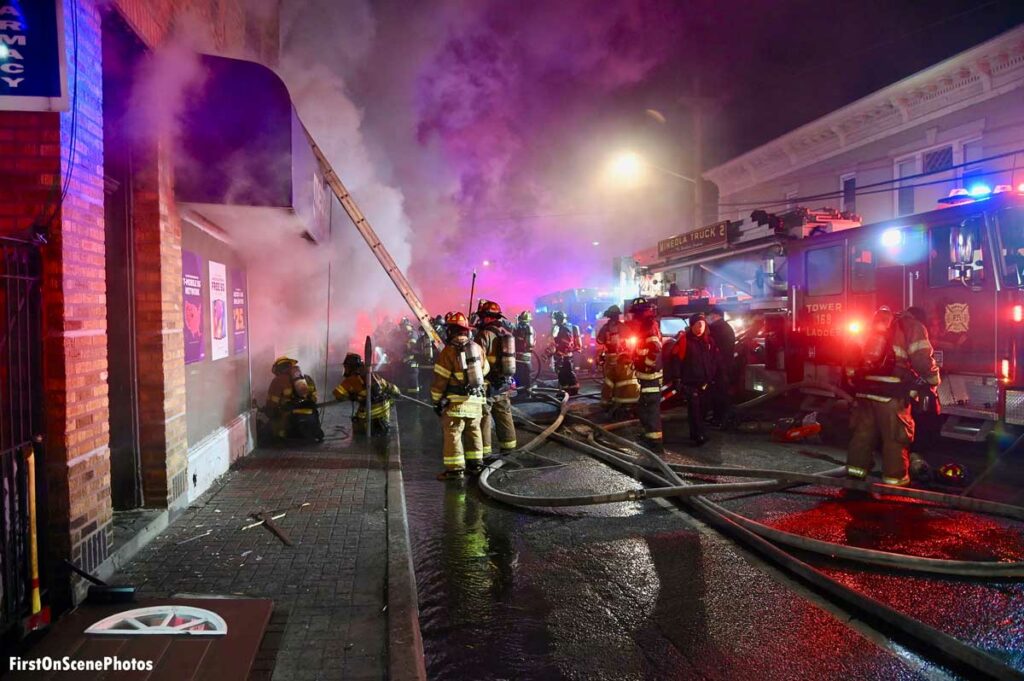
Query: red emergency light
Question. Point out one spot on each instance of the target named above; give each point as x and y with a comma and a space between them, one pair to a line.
1018, 313
854, 327
1004, 370
631, 341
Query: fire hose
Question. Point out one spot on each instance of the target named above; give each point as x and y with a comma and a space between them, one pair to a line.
669, 481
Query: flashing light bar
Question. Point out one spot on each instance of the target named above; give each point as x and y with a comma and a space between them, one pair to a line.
979, 190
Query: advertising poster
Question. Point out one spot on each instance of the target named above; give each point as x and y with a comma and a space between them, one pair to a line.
240, 325
192, 304
218, 311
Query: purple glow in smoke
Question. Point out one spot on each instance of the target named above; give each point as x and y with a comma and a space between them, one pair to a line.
505, 94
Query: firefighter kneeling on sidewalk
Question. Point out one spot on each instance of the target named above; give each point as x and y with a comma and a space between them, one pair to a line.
353, 388
458, 393
291, 402
500, 349
898, 368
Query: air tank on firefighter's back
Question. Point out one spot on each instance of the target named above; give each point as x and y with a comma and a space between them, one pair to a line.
508, 355
471, 361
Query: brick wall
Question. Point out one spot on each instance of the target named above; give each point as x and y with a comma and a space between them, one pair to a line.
159, 324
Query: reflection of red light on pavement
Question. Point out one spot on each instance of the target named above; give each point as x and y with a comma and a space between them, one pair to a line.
908, 528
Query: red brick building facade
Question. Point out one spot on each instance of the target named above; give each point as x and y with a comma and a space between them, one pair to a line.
38, 159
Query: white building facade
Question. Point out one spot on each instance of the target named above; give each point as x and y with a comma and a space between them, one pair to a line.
963, 117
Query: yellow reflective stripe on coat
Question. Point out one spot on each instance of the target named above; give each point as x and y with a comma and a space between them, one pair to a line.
441, 371
510, 444
652, 389
899, 352
275, 398
648, 377
856, 472
917, 346
882, 379
631, 381
625, 400
874, 398
653, 435
898, 482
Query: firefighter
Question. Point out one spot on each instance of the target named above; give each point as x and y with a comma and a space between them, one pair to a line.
458, 392
500, 349
611, 338
291, 402
407, 348
525, 340
648, 363
426, 353
353, 389
898, 366
438, 324
565, 343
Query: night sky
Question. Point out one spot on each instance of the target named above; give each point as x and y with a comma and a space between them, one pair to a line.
778, 65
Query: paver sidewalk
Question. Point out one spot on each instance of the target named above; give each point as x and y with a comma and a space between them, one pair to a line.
330, 618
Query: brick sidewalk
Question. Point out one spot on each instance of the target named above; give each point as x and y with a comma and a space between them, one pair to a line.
329, 589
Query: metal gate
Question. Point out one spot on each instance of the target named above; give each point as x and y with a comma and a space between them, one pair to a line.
20, 416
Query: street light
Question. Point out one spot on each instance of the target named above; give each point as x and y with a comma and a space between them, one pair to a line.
628, 168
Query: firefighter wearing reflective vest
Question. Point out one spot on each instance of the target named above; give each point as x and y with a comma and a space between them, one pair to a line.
620, 386
526, 338
898, 367
291, 394
426, 352
353, 389
648, 363
458, 393
565, 343
500, 349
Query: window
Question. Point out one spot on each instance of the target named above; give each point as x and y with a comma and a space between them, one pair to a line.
862, 269
848, 201
1010, 226
972, 152
955, 244
937, 159
905, 194
825, 271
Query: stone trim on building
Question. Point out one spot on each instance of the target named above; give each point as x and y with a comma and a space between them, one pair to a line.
969, 78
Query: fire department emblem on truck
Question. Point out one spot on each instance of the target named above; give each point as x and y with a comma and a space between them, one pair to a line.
958, 318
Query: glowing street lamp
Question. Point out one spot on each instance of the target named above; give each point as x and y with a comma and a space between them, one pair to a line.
629, 168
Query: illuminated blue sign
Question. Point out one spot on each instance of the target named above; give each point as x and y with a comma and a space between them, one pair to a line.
32, 68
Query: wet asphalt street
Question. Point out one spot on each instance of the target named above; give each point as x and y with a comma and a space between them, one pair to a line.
628, 591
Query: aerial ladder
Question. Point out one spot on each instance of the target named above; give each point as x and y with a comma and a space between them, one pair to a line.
362, 225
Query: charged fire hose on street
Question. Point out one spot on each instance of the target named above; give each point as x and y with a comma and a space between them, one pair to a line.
668, 483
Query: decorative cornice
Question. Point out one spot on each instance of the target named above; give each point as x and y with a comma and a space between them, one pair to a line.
980, 73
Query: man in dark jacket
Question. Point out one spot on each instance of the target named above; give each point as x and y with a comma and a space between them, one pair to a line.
701, 367
725, 338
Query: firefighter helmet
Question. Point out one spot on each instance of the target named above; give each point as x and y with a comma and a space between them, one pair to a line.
613, 311
283, 362
455, 320
489, 308
438, 320
525, 317
558, 316
352, 361
641, 307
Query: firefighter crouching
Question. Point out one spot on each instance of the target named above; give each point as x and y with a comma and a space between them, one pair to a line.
500, 349
353, 389
897, 368
291, 402
565, 343
458, 393
648, 363
525, 340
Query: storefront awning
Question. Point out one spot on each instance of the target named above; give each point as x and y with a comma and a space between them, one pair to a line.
244, 156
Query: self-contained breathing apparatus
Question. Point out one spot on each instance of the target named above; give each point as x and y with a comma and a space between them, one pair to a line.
878, 363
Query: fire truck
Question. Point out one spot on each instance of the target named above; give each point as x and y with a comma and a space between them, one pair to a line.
801, 288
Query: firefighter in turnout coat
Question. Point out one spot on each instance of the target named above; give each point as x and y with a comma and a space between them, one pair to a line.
458, 392
648, 363
898, 367
620, 386
353, 389
499, 347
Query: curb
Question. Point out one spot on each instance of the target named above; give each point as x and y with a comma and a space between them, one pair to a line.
405, 645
